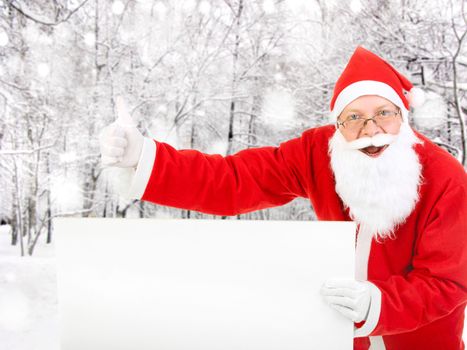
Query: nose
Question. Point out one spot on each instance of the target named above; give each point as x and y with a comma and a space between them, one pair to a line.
370, 128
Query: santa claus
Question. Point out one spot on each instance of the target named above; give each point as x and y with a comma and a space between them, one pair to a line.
407, 195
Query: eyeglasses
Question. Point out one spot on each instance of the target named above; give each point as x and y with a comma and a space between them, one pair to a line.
354, 122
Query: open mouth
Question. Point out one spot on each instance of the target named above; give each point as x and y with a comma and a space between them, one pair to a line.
373, 151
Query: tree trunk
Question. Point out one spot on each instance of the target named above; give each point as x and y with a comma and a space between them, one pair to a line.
234, 77
19, 211
14, 224
90, 176
457, 101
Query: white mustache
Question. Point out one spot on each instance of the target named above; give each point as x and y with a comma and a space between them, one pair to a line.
377, 141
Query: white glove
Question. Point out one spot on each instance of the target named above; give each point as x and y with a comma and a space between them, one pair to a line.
121, 142
349, 297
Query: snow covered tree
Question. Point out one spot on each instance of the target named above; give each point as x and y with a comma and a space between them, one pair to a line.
218, 76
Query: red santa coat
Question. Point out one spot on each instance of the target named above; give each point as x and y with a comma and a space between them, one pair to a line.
421, 275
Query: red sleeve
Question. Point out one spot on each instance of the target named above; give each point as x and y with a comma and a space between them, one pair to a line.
438, 282
249, 180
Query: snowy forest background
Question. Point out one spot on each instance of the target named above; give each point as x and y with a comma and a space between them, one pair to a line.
218, 76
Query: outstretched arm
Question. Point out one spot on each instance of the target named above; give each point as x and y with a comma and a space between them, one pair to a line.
249, 180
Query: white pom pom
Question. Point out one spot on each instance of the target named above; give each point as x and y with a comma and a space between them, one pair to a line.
416, 97
432, 114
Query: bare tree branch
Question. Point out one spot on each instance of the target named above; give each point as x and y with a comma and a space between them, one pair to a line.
27, 151
43, 22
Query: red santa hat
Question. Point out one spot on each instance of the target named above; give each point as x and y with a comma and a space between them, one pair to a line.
368, 74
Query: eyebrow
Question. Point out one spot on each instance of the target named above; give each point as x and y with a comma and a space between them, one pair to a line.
359, 111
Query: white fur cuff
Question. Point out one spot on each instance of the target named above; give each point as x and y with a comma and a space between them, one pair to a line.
373, 314
143, 170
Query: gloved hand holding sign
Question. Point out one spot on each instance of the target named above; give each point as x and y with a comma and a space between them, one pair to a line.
351, 298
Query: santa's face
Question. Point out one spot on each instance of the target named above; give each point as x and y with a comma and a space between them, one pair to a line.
366, 117
376, 169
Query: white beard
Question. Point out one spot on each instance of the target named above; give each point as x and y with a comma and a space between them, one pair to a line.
380, 192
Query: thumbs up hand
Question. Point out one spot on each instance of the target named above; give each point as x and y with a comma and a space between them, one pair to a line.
123, 116
121, 142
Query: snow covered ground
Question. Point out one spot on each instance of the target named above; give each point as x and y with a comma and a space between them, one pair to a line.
28, 299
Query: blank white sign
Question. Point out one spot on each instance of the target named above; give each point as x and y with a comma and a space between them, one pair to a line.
201, 284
